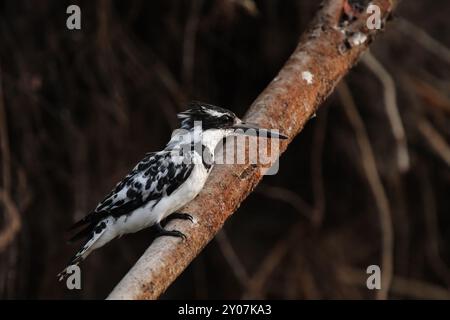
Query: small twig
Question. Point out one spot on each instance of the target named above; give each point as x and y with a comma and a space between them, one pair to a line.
373, 177
201, 283
190, 34
4, 142
169, 82
431, 96
232, 258
12, 216
12, 220
306, 276
432, 230
416, 289
255, 287
390, 102
436, 141
255, 284
160, 69
248, 5
103, 17
424, 39
316, 169
23, 190
288, 196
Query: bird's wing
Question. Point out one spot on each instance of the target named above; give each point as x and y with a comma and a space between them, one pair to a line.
157, 175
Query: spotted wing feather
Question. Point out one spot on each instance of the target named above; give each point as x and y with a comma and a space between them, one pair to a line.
155, 176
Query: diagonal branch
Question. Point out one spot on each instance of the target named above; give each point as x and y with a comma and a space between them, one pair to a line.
288, 102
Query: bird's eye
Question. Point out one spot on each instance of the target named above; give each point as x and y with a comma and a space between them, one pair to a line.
227, 118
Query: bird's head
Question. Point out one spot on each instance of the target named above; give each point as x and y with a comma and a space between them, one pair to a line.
221, 121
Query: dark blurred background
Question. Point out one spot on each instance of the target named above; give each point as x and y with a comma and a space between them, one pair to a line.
79, 108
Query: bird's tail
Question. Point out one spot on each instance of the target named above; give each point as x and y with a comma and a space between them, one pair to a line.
90, 245
65, 273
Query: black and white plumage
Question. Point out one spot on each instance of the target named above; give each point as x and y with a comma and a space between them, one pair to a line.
161, 183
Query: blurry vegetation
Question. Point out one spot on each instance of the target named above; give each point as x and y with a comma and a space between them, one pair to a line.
79, 108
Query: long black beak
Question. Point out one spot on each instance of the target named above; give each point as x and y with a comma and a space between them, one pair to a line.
253, 130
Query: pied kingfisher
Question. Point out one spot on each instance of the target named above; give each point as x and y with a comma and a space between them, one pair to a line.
163, 182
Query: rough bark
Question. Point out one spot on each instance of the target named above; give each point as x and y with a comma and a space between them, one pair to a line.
327, 50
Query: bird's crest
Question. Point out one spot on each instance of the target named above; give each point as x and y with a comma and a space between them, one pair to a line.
209, 115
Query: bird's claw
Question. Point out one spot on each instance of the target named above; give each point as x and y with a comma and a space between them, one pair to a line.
179, 234
172, 233
181, 216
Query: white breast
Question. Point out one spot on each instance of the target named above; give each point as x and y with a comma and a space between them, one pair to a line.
148, 215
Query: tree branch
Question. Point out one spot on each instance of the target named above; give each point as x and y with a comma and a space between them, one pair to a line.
289, 101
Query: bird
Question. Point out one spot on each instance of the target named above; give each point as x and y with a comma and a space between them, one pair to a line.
162, 182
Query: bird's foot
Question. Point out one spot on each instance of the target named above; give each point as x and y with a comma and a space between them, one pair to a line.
181, 216
173, 233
